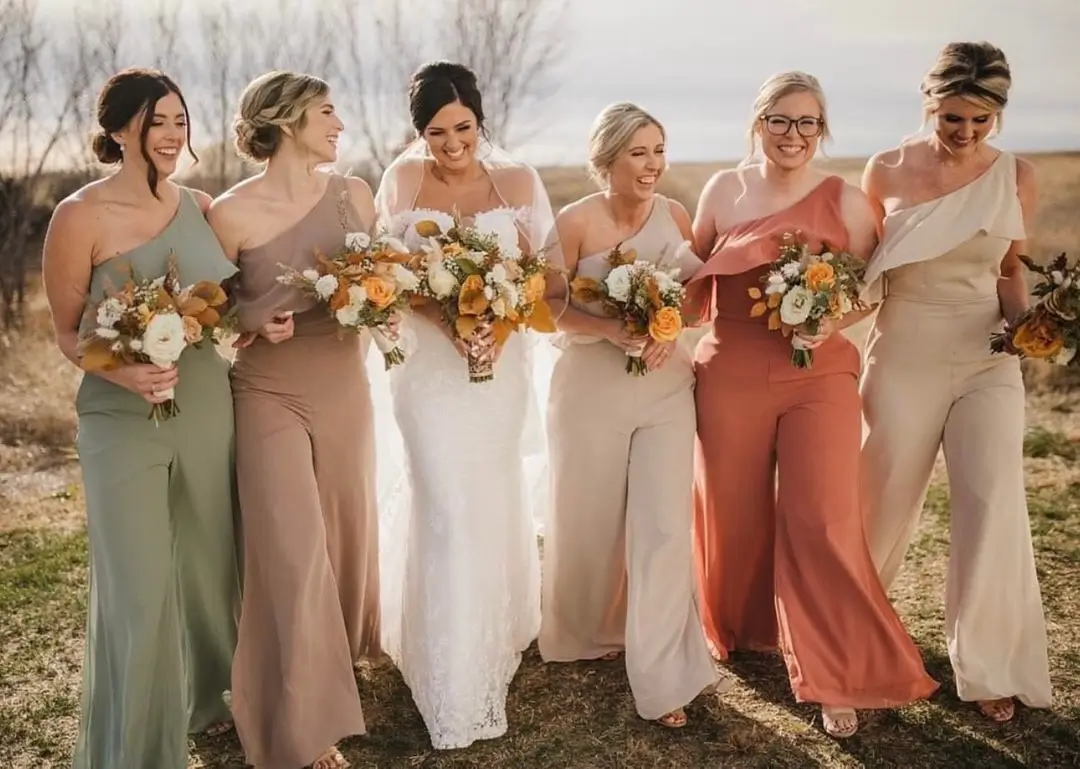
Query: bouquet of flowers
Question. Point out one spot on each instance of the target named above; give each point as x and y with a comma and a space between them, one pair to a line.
1048, 330
362, 286
153, 321
802, 288
646, 296
481, 279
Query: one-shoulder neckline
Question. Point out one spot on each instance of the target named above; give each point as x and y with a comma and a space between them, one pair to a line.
653, 211
819, 187
184, 197
307, 215
952, 193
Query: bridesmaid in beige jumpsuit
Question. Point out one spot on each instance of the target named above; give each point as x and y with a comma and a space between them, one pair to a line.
618, 569
946, 273
305, 440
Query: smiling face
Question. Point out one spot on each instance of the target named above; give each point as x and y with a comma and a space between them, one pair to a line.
962, 125
636, 170
452, 136
791, 129
166, 135
318, 130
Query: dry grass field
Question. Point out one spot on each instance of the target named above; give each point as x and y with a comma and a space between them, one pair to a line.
580, 715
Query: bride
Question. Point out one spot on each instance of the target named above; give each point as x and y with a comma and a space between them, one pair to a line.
460, 567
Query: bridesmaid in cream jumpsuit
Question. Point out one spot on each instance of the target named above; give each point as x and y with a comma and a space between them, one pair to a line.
956, 212
618, 570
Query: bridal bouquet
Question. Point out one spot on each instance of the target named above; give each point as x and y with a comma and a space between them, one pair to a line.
481, 280
362, 286
646, 296
1049, 329
153, 321
802, 288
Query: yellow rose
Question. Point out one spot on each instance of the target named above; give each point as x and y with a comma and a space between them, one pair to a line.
820, 276
471, 299
666, 325
380, 292
1038, 338
535, 287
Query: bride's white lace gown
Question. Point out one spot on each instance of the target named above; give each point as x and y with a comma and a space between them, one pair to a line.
460, 568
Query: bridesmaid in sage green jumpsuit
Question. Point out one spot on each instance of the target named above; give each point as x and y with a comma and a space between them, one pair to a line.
164, 583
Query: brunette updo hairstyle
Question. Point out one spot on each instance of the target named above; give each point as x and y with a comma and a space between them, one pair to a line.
126, 95
439, 83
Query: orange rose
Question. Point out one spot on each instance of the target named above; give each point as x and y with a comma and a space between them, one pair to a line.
193, 330
1038, 338
380, 292
820, 276
666, 325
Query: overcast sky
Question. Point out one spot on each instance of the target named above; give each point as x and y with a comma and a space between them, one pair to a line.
698, 63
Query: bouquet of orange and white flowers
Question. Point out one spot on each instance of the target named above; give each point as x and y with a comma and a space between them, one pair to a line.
802, 288
480, 278
362, 286
646, 296
153, 321
1049, 329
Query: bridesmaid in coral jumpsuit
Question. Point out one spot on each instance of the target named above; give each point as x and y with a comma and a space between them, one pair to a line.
786, 562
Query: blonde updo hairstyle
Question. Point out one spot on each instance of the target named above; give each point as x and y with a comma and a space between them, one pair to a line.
978, 72
271, 103
773, 90
612, 131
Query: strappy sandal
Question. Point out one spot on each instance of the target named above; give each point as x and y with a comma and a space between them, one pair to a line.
216, 730
1000, 711
331, 759
840, 722
676, 719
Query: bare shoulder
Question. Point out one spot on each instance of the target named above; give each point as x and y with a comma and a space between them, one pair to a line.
202, 198
856, 202
1025, 174
573, 216
724, 182
358, 188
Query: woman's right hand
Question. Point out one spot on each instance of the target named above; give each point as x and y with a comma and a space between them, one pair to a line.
616, 332
146, 380
278, 329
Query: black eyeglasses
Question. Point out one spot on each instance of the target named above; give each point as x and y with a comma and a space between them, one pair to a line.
807, 127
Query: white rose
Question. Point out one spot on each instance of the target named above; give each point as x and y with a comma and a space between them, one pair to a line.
441, 281
405, 278
827, 256
489, 292
325, 287
775, 284
497, 274
795, 306
788, 271
499, 307
348, 315
357, 241
665, 282
500, 223
618, 283
107, 333
312, 275
164, 340
357, 295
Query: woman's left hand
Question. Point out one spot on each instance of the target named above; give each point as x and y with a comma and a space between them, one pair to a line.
657, 353
826, 328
